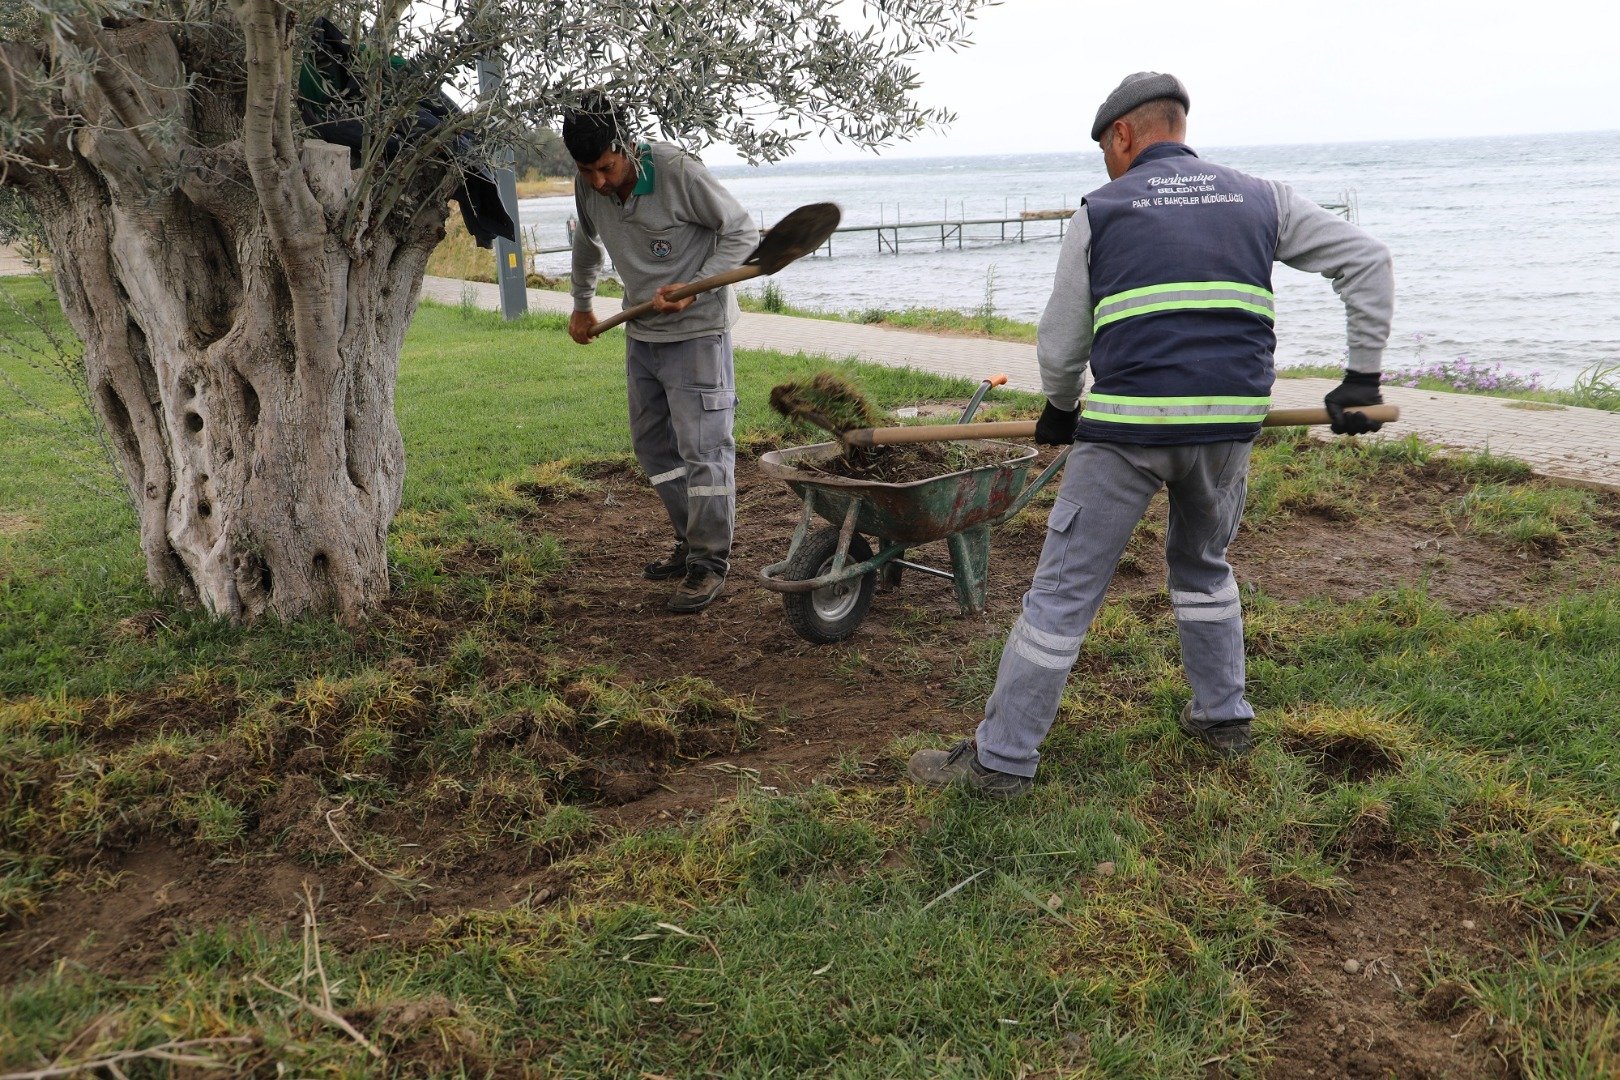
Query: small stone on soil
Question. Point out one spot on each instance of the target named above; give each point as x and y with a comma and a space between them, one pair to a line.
1352, 967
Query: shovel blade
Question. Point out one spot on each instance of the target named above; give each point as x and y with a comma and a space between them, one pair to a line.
795, 236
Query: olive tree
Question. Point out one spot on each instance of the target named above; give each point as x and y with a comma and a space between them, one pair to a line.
242, 286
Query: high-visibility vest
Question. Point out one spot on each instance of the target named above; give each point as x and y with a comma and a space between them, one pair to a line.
1182, 308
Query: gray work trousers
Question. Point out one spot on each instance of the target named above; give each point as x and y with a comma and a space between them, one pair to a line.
683, 396
1106, 489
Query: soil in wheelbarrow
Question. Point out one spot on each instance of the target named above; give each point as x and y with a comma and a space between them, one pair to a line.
834, 405
905, 464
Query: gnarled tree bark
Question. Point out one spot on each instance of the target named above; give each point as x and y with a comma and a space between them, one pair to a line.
242, 294
241, 353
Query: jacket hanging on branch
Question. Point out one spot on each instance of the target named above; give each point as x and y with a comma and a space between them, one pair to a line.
327, 90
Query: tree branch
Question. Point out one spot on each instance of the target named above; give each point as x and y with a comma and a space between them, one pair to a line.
290, 207
24, 125
296, 220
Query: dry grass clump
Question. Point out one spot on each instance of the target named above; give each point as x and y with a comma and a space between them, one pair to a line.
835, 405
826, 401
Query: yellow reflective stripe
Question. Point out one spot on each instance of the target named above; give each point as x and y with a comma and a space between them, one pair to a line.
1184, 296
1138, 418
1184, 286
1229, 303
1206, 409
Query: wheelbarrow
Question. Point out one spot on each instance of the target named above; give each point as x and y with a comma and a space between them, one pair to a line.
830, 573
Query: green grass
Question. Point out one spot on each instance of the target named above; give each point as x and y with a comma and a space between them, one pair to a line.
480, 402
860, 927
929, 320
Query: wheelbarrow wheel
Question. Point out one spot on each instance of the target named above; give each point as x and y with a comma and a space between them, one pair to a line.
832, 612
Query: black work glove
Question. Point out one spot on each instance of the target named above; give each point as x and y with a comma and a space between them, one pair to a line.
1358, 388
1056, 426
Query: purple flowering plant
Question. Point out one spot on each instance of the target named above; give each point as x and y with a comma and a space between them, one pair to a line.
1462, 374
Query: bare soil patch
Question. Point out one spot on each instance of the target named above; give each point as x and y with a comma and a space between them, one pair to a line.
898, 675
12, 524
1356, 982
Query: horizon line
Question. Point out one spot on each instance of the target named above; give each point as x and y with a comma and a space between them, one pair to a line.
873, 155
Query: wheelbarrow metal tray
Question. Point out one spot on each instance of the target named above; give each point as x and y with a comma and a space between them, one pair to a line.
911, 513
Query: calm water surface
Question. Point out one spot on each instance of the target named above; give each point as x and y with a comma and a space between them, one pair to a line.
1507, 250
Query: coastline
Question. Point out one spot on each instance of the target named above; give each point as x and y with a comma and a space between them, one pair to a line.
1597, 388
546, 187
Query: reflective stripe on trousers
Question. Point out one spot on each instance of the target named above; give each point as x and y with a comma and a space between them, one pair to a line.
683, 398
1105, 491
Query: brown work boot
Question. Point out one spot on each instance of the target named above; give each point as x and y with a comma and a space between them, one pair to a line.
697, 591
1229, 738
672, 565
959, 766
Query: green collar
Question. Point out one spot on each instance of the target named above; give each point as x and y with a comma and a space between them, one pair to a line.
644, 170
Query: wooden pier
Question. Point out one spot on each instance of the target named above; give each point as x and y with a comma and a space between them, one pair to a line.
890, 236
959, 232
950, 232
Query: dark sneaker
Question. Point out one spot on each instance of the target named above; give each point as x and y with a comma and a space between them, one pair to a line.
672, 565
1229, 738
698, 591
960, 766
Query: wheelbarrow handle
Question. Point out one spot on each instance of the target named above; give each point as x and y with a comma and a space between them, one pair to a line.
1023, 429
989, 382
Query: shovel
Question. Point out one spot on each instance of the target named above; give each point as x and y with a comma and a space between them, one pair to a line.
1023, 429
794, 237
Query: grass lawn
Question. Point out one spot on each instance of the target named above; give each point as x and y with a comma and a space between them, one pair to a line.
285, 837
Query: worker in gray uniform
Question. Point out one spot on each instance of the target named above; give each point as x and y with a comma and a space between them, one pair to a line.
1164, 288
666, 221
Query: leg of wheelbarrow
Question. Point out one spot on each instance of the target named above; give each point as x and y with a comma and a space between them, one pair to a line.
845, 533
806, 519
970, 567
889, 576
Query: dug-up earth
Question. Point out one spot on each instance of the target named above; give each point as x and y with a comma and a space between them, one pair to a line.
826, 707
895, 676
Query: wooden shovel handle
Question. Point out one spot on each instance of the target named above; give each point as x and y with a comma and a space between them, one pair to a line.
1023, 429
1382, 414
890, 436
730, 277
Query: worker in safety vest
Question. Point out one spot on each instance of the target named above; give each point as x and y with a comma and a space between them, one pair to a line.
666, 221
1164, 288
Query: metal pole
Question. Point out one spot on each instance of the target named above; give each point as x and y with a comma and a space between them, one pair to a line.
511, 271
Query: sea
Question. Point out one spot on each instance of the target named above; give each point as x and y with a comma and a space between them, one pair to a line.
1507, 249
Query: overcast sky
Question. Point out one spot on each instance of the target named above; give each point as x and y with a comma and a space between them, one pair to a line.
1261, 71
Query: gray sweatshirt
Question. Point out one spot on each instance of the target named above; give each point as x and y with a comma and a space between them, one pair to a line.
1308, 238
678, 225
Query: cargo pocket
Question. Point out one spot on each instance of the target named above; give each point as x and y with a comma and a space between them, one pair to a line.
714, 426
1060, 526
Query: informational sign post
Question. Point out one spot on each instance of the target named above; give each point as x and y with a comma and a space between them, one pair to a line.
511, 272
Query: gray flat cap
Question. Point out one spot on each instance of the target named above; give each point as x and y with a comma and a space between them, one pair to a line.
1134, 90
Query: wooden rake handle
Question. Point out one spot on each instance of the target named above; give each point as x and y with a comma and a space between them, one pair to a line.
730, 277
1023, 429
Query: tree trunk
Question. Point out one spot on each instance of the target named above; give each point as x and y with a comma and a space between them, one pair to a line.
242, 358
264, 474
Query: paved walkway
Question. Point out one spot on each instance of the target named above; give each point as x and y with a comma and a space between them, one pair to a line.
1579, 445
11, 263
